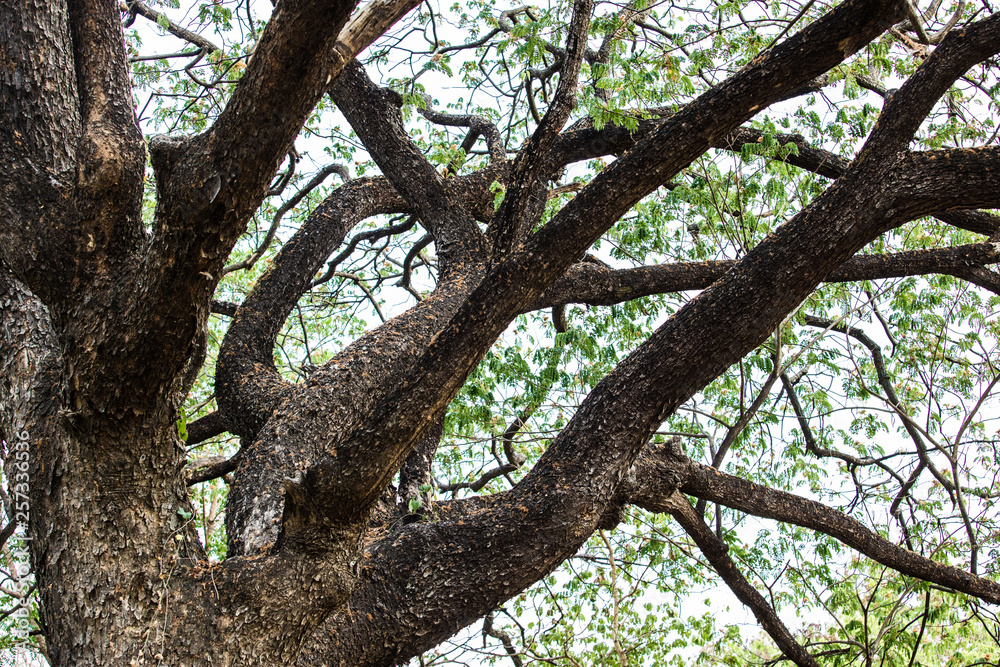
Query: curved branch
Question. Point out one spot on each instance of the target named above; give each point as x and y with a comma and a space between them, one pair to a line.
374, 114
813, 447
478, 126
248, 388
371, 237
739, 494
809, 252
247, 383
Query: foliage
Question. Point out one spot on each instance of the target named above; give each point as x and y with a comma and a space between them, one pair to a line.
643, 594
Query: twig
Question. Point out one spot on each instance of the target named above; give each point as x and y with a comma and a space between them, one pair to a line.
138, 7
287, 206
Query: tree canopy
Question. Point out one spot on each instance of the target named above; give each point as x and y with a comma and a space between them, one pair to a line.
329, 330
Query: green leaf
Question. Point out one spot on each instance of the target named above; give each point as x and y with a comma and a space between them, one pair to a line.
182, 422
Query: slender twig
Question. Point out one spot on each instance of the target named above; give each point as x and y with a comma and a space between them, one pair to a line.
285, 208
716, 551
141, 8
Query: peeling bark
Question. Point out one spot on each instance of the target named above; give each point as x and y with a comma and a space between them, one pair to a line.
103, 322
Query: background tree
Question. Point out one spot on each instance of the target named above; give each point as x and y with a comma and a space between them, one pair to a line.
619, 169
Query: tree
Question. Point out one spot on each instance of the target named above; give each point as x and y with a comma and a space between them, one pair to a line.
336, 553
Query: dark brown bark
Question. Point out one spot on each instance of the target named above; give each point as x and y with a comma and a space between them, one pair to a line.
525, 196
677, 360
594, 284
518, 279
102, 324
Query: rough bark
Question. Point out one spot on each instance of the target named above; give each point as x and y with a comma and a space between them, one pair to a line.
102, 323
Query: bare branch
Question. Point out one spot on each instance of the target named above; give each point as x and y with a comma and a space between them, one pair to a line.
404, 415
716, 552
371, 237
739, 494
508, 644
593, 284
141, 8
316, 181
478, 126
890, 393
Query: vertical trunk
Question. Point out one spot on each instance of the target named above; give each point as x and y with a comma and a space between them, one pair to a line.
101, 566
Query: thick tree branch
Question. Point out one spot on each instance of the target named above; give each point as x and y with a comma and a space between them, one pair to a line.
209, 185
111, 155
416, 472
265, 607
525, 198
247, 384
207, 427
222, 176
40, 127
208, 468
953, 178
980, 222
980, 276
596, 285
393, 429
583, 142
250, 392
374, 115
577, 475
